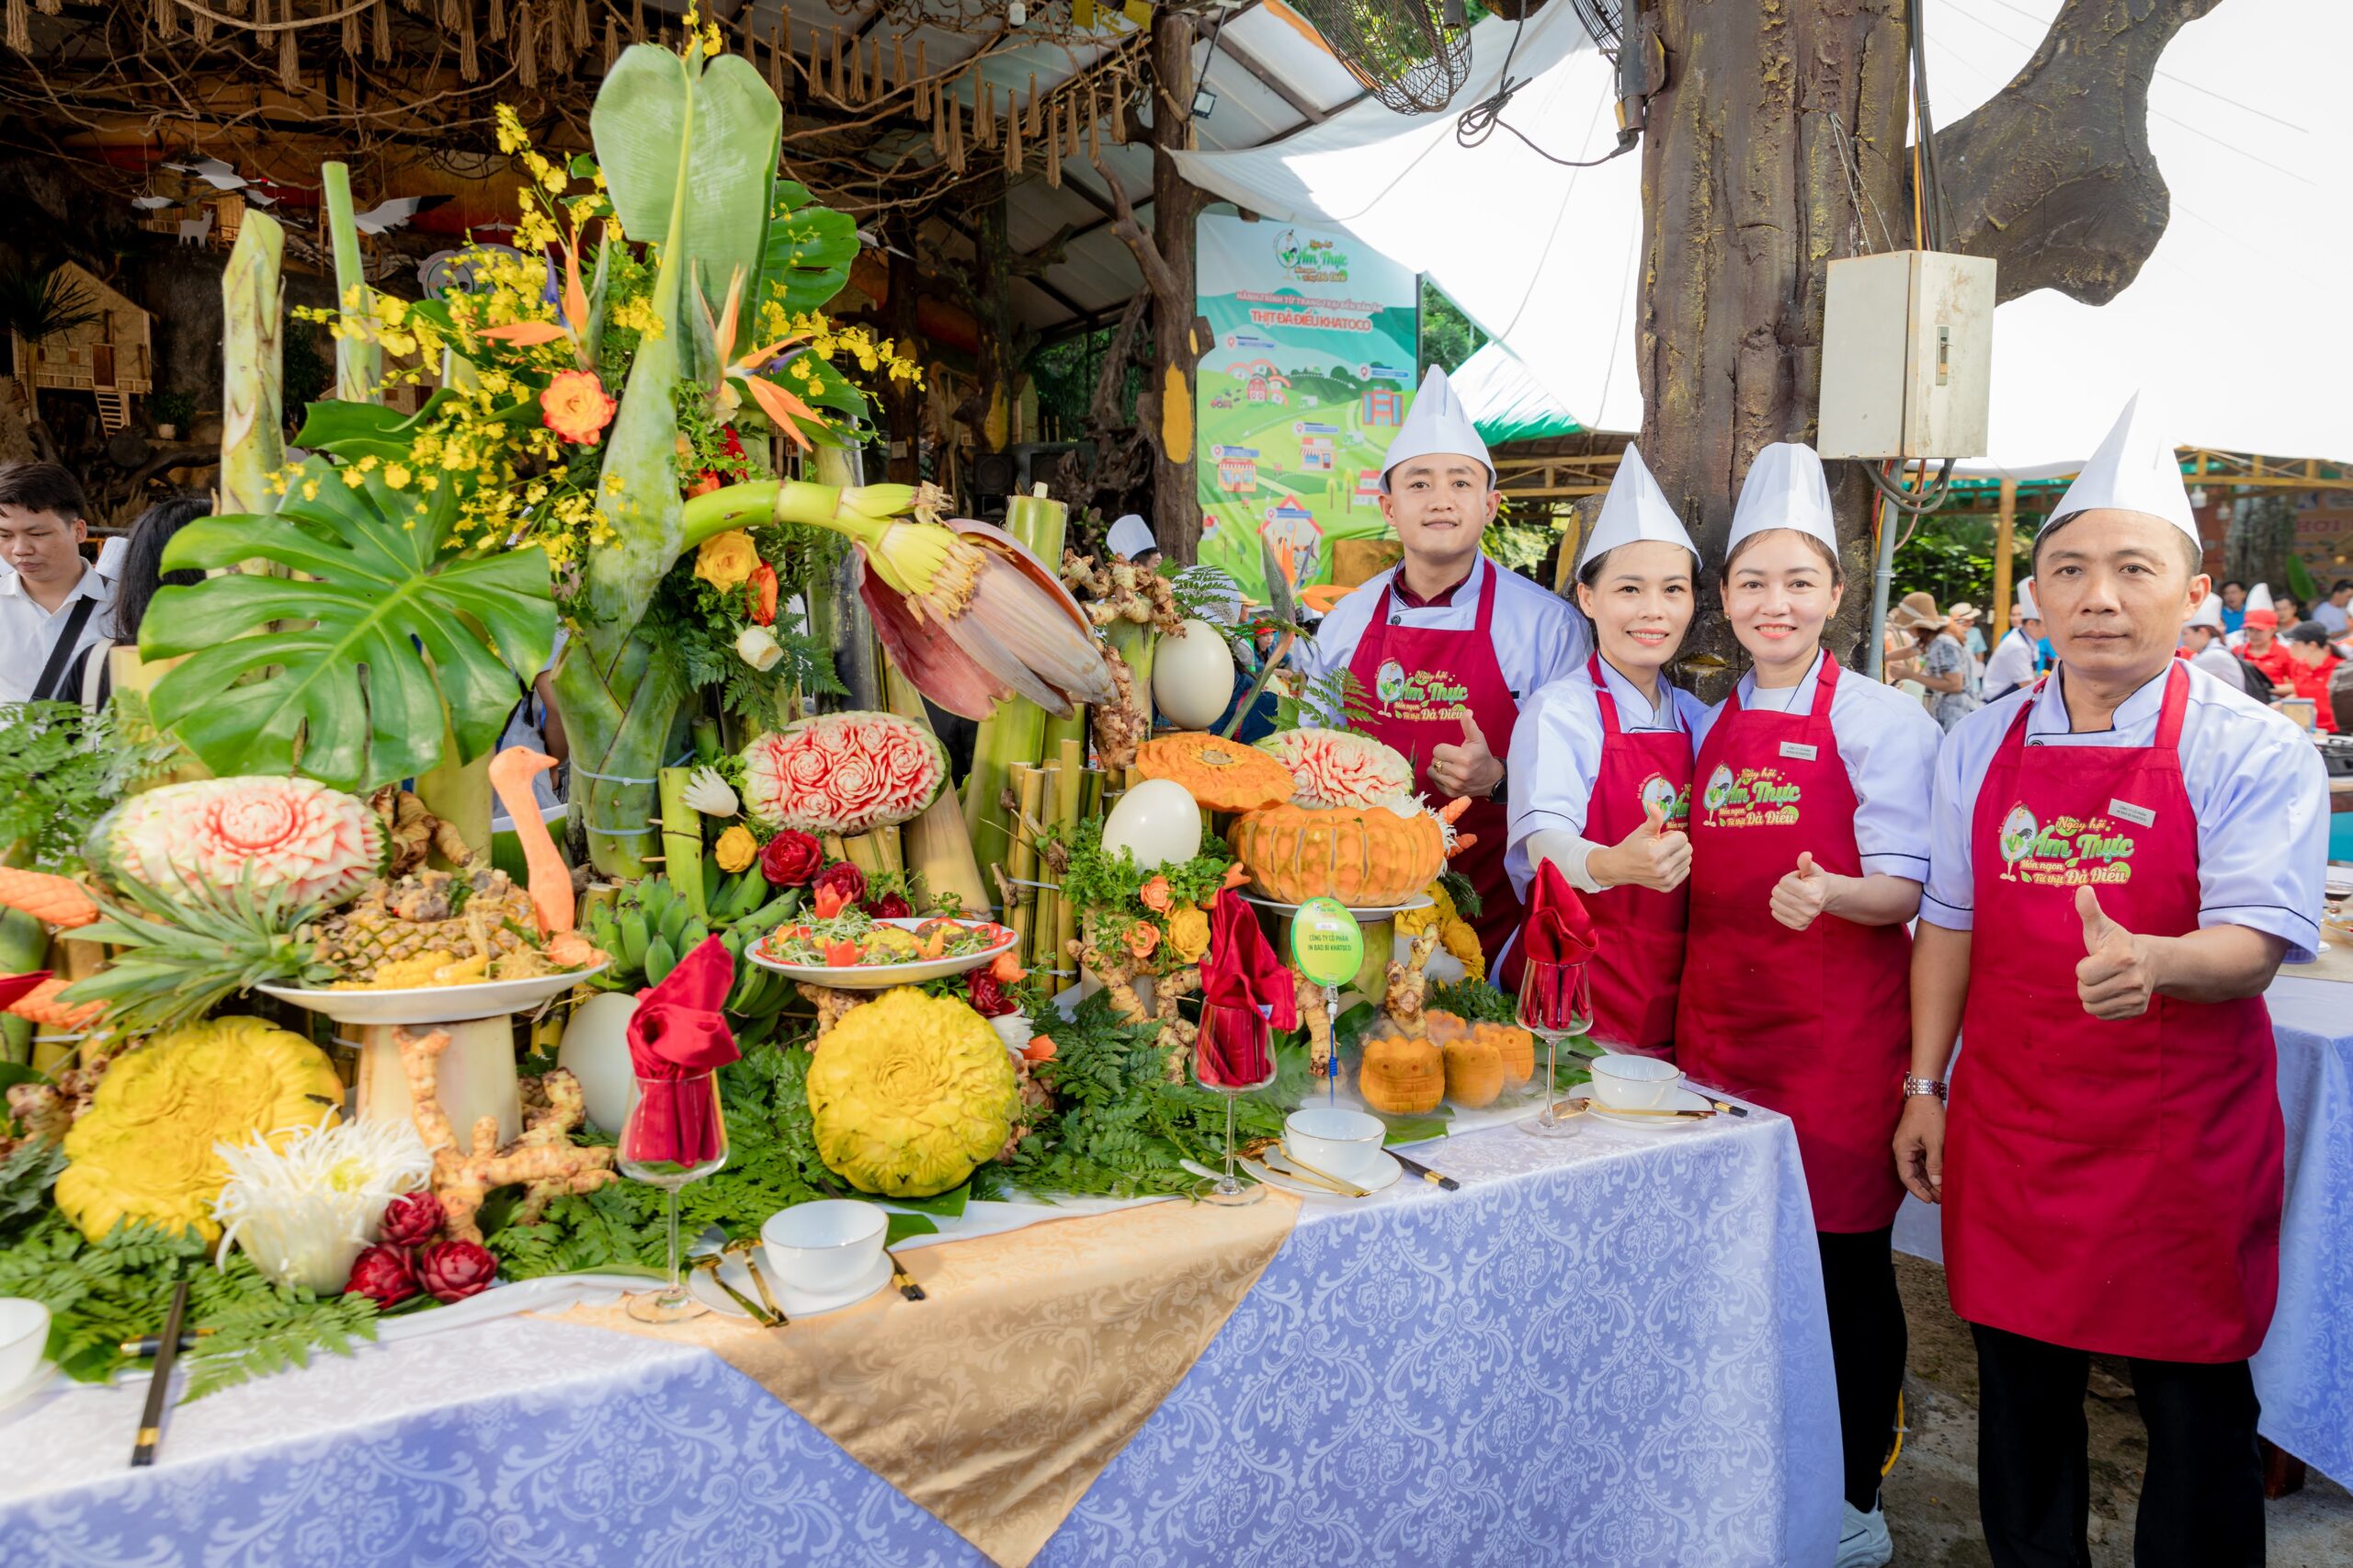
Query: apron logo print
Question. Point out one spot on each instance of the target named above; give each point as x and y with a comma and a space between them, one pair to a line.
1757, 797
2068, 851
1674, 804
1389, 684
1424, 696
1799, 750
2139, 815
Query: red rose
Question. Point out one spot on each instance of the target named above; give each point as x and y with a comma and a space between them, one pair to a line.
790, 859
454, 1270
988, 998
847, 882
889, 906
382, 1274
763, 591
411, 1221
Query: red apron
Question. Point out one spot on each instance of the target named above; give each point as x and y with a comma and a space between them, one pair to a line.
1641, 957
1817, 1024
2109, 1184
1421, 682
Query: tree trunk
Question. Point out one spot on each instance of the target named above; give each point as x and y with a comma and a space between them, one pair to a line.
1179, 335
902, 402
1780, 141
2262, 536
993, 304
1746, 196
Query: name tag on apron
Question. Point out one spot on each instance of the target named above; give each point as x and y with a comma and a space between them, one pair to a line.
2132, 813
1799, 750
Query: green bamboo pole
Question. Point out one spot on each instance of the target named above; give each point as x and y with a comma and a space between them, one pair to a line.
1015, 732
359, 358
937, 843
682, 842
1070, 788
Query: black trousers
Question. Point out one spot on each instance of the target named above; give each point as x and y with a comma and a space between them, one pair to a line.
1866, 1344
2201, 1498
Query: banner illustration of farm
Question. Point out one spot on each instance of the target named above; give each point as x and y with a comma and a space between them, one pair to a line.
1311, 372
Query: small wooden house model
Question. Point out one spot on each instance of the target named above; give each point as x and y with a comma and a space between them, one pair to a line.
110, 357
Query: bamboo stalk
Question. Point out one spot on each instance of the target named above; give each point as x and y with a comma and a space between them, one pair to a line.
1134, 641
937, 842
1090, 805
863, 851
1016, 732
1027, 784
682, 841
1071, 787
359, 358
894, 853
1041, 928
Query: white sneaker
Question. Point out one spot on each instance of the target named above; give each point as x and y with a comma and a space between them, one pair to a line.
1862, 1539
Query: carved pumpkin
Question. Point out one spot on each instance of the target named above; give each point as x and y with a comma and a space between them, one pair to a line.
1225, 776
1364, 856
1474, 1071
1515, 1049
1401, 1075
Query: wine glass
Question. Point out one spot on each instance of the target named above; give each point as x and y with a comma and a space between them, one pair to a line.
1554, 1002
674, 1134
1245, 1034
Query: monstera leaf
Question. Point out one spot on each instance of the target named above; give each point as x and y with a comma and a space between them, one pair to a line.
388, 641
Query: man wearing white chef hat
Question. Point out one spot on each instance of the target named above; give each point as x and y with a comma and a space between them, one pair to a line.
1447, 645
1132, 539
2123, 856
2202, 644
1600, 774
2013, 659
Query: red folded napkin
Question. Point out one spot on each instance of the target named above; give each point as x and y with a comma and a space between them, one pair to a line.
1557, 930
1241, 973
677, 1037
14, 987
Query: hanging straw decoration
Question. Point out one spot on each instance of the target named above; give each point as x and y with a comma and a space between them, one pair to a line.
201, 27
469, 52
1070, 118
20, 28
924, 111
1055, 143
637, 21
899, 58
1094, 125
857, 71
165, 14
351, 35
985, 117
780, 51
1032, 127
381, 43
878, 81
1013, 160
526, 58
290, 54
583, 32
1119, 117
612, 41
498, 21
955, 108
815, 75
834, 73
923, 105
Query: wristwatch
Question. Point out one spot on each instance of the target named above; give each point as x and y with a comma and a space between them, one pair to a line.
1499, 789
1917, 1085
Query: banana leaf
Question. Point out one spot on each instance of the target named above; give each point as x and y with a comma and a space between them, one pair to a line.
809, 248
393, 642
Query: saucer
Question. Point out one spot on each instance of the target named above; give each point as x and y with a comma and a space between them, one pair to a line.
1385, 1174
38, 1380
796, 1302
1678, 1099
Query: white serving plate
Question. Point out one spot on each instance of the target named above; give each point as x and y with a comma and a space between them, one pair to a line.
881, 976
433, 1003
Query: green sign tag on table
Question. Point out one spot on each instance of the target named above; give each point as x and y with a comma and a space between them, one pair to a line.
1326, 943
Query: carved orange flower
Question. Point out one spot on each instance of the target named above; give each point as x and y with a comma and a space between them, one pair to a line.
574, 406
1142, 937
1157, 896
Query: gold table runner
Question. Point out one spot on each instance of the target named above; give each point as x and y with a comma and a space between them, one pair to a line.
994, 1403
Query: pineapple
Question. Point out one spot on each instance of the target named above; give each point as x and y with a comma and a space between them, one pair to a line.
179, 954
478, 912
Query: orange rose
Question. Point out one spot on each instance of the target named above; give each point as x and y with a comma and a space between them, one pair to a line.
764, 588
1142, 937
574, 406
1006, 969
1234, 876
1157, 896
1041, 1048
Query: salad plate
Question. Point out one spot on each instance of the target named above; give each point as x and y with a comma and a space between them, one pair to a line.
799, 951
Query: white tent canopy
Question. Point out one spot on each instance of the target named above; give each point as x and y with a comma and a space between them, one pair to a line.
2236, 327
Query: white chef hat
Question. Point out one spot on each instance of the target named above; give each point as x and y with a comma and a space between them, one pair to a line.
110, 554
1437, 423
1635, 509
1785, 488
2207, 613
2134, 470
1131, 537
2028, 609
2258, 603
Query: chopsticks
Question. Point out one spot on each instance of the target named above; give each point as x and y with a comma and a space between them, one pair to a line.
1446, 1183
902, 1280
167, 1349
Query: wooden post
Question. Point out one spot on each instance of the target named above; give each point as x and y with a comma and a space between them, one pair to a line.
2003, 525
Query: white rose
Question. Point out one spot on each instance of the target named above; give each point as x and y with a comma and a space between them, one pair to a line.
757, 648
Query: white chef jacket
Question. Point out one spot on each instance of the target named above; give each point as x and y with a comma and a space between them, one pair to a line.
1556, 755
1539, 636
2254, 779
2216, 661
29, 633
1887, 743
2009, 667
2332, 615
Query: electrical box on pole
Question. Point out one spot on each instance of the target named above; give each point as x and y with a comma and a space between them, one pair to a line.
1907, 349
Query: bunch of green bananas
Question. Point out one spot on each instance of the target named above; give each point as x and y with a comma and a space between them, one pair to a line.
648, 928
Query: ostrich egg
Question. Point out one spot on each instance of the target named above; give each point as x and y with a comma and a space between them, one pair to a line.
1192, 676
596, 1050
1158, 820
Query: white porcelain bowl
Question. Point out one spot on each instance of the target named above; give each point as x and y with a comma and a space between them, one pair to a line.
24, 1335
827, 1245
1635, 1083
1339, 1142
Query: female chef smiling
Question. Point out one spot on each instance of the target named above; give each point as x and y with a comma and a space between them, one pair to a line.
1601, 770
1809, 845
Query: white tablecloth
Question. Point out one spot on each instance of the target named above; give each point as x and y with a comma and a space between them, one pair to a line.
2304, 1372
1607, 1348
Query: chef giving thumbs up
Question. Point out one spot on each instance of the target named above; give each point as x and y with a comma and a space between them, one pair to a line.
2116, 978
1800, 896
1653, 856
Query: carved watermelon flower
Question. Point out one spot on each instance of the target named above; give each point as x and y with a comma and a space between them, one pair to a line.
290, 833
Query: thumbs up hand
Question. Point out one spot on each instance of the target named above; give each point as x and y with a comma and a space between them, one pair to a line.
1653, 856
1800, 897
2117, 978
1467, 769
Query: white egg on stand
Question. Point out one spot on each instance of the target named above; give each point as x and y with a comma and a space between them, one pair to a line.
595, 1051
1192, 675
1158, 820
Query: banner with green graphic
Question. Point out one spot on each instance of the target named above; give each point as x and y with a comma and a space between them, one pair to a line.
1310, 375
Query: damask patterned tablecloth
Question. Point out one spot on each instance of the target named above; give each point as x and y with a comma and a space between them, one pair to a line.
1605, 1349
2303, 1374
